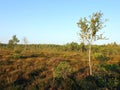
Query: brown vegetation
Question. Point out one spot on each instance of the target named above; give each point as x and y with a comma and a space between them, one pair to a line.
34, 68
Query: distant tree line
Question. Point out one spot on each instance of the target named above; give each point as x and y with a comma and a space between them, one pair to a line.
108, 49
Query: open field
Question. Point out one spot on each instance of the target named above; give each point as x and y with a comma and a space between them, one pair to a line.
59, 45
59, 67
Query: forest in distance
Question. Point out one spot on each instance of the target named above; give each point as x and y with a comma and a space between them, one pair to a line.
72, 66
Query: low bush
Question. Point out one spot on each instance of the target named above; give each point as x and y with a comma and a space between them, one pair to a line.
62, 70
88, 83
111, 67
101, 57
17, 56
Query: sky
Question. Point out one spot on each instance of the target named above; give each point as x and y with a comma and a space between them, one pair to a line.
55, 21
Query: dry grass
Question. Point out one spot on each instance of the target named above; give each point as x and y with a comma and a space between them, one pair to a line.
34, 70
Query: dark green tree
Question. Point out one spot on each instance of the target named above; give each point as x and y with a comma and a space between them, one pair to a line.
89, 28
12, 42
72, 46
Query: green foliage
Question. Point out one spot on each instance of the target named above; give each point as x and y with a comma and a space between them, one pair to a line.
101, 57
108, 76
13, 41
112, 67
88, 83
90, 27
73, 46
107, 81
62, 70
17, 56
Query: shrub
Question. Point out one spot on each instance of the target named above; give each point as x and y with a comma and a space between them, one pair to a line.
88, 83
62, 70
17, 51
108, 77
21, 82
17, 56
107, 81
112, 67
101, 57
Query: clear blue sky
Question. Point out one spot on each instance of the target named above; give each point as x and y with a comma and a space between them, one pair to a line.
54, 21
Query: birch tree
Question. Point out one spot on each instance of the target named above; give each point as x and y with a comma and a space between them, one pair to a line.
25, 42
89, 28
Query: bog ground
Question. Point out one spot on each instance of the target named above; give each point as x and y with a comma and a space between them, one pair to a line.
59, 67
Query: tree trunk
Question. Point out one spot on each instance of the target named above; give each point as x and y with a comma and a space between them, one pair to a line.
25, 48
90, 66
